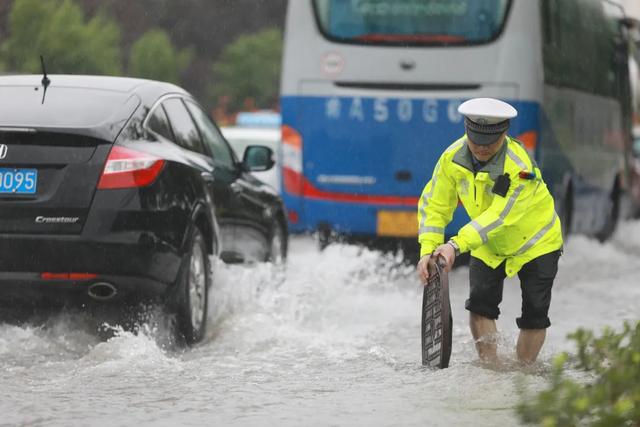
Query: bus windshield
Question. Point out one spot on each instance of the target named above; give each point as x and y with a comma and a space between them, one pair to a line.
429, 22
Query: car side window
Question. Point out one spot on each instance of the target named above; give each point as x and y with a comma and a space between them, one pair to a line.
212, 137
185, 131
159, 123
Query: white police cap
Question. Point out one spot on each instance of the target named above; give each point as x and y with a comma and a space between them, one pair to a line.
486, 119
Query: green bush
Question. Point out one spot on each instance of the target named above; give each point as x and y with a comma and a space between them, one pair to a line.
57, 30
153, 56
250, 68
608, 396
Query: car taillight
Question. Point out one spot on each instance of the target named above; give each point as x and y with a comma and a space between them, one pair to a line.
127, 168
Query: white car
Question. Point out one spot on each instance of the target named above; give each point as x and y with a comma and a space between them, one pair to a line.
241, 137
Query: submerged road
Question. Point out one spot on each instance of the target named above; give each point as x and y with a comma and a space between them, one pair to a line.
333, 341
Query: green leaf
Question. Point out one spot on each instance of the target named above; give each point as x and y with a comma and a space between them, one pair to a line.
608, 397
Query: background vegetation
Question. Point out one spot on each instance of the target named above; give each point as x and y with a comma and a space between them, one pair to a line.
173, 40
250, 68
608, 395
58, 30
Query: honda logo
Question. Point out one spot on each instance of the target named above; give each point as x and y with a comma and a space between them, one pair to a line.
3, 151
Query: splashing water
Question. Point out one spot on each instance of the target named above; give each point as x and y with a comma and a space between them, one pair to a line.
333, 339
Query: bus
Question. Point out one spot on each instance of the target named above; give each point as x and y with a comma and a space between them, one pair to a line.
370, 93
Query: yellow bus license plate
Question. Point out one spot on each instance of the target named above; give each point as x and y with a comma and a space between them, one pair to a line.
397, 224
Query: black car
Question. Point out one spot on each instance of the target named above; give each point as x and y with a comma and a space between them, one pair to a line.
116, 190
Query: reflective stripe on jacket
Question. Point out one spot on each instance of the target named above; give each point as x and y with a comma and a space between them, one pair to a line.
518, 227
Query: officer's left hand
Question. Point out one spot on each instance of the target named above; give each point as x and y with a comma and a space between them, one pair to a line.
447, 252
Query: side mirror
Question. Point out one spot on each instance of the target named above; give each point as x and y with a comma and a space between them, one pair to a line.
257, 158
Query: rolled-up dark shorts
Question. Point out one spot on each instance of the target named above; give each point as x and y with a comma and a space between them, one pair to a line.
536, 281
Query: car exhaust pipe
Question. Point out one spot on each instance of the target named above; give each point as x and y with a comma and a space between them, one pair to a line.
102, 291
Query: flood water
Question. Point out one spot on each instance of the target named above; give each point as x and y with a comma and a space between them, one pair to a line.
335, 340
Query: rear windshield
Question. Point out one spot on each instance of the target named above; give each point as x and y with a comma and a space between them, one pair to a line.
62, 107
410, 22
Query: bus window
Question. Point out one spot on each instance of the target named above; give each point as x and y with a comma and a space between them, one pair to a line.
551, 23
429, 22
579, 46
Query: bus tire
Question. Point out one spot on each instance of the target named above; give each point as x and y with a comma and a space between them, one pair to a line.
324, 236
612, 215
565, 211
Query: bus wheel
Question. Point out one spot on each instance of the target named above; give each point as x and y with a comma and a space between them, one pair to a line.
324, 236
612, 214
566, 213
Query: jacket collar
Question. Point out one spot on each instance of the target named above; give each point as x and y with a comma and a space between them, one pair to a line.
494, 167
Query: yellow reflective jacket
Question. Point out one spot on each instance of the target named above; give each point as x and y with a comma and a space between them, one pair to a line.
518, 227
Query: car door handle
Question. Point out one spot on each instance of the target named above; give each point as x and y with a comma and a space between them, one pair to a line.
207, 177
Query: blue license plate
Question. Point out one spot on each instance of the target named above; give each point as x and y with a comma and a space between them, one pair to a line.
18, 181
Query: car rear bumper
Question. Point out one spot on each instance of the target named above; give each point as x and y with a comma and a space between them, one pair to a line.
139, 266
29, 290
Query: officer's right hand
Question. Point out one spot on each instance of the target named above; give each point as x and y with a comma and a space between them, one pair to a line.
423, 268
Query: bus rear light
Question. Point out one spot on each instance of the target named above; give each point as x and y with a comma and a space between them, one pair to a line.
530, 141
291, 149
292, 175
127, 168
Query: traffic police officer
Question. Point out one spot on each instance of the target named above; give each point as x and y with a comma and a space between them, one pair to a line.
514, 228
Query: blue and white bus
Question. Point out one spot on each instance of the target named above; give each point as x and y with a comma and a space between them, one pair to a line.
370, 91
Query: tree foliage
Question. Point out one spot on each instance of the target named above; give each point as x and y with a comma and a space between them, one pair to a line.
610, 399
57, 30
206, 25
153, 56
250, 68
81, 36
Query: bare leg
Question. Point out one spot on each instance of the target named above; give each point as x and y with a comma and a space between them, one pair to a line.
529, 344
483, 330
